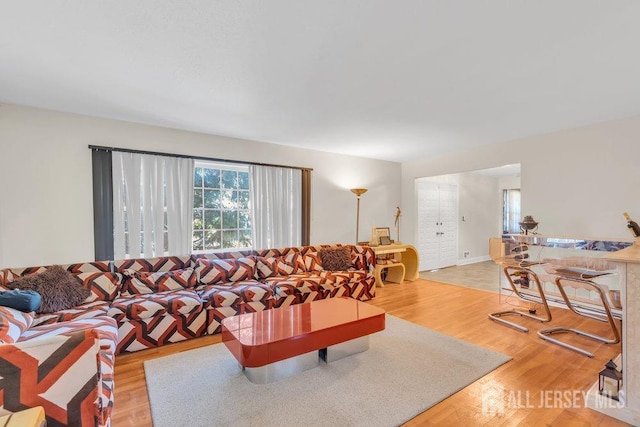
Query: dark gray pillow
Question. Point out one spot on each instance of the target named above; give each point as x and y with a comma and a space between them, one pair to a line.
335, 259
59, 289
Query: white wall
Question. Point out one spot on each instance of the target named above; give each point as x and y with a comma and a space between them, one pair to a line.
478, 199
575, 182
46, 206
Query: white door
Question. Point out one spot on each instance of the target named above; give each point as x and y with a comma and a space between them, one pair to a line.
448, 253
437, 224
428, 201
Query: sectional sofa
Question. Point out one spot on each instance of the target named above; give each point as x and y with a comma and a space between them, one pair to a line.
135, 304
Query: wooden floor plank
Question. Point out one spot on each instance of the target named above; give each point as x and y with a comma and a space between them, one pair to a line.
537, 369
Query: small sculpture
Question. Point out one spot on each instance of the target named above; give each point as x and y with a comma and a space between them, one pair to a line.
397, 223
528, 224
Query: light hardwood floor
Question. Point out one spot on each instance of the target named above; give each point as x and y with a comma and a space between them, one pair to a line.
539, 370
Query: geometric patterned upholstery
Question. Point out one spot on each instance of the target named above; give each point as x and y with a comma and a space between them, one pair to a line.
104, 326
230, 299
291, 263
147, 306
13, 323
104, 286
134, 335
154, 264
235, 294
66, 368
142, 282
211, 272
308, 286
85, 311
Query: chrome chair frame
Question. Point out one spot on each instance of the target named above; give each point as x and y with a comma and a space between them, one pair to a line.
509, 271
545, 334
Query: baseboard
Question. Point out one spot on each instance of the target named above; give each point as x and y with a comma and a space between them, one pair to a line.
473, 260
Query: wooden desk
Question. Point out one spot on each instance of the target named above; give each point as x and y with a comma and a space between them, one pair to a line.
405, 256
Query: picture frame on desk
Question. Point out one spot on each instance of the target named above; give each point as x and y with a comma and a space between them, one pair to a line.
382, 232
385, 240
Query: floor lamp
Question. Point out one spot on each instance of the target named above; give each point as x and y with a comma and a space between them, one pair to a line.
358, 192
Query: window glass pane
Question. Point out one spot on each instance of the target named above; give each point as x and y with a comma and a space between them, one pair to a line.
229, 199
197, 198
245, 239
212, 219
229, 179
243, 199
230, 238
197, 219
212, 240
229, 219
243, 180
212, 178
212, 199
197, 177
244, 220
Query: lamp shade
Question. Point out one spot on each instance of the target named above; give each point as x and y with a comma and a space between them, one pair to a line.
358, 191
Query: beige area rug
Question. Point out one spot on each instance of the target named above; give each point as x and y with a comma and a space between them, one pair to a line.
407, 369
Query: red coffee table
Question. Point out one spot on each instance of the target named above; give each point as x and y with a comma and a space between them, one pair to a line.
281, 342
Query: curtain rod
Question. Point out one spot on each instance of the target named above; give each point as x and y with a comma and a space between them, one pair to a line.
184, 156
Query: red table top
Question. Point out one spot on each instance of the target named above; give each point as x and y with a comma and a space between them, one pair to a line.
257, 339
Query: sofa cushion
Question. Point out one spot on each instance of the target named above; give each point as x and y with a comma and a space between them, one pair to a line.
13, 323
146, 306
84, 311
105, 327
58, 288
150, 265
140, 282
336, 259
103, 286
285, 265
234, 293
303, 283
213, 271
347, 276
312, 261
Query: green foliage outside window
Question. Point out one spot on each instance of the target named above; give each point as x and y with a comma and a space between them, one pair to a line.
221, 216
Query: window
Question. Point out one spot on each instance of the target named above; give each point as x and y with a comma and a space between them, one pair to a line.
156, 204
221, 209
511, 211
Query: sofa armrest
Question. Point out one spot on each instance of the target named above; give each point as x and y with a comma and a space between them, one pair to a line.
60, 373
365, 256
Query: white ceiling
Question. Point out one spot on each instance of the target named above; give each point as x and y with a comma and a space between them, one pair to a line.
394, 80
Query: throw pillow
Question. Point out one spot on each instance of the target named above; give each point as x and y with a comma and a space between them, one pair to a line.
335, 259
21, 299
12, 324
59, 289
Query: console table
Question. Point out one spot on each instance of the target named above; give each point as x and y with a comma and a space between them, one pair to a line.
403, 265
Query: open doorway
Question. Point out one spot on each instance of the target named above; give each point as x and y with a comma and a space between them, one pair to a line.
479, 211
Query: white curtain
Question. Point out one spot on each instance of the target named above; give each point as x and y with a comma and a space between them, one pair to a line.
276, 206
146, 190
